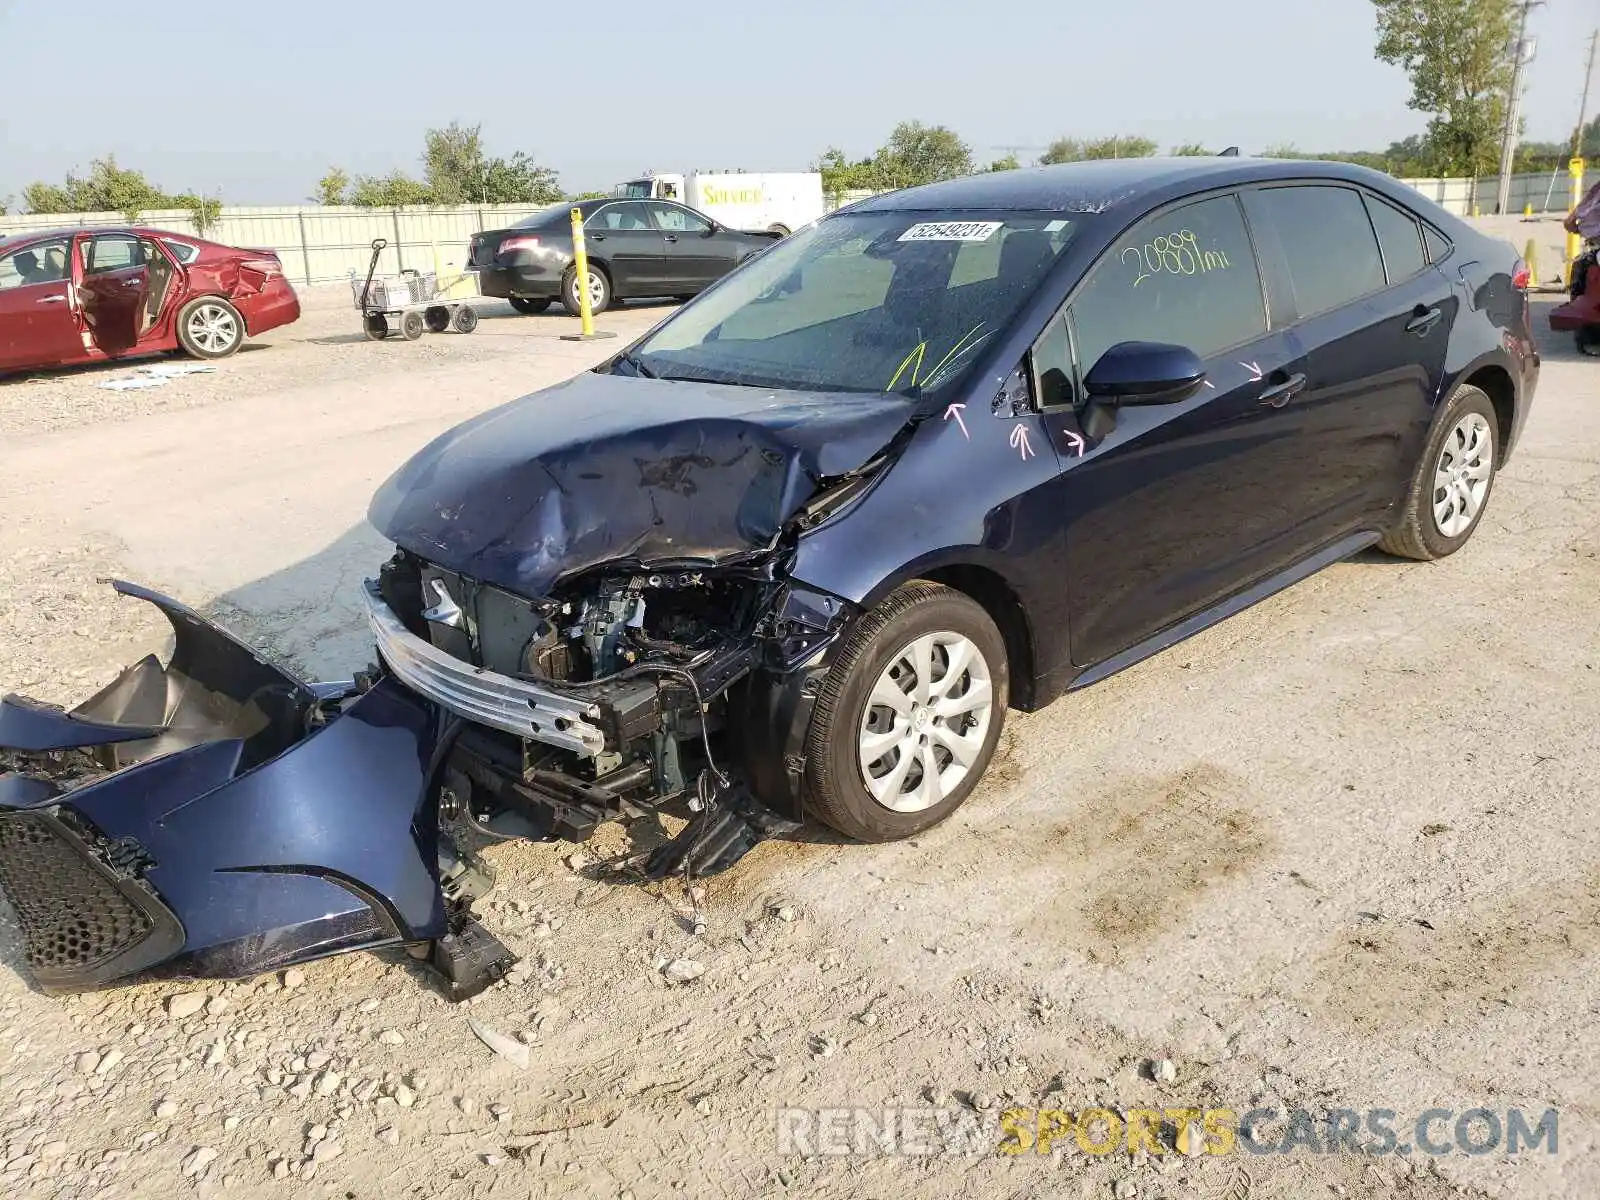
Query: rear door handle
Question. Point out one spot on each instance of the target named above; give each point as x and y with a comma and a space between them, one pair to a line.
52, 300
1424, 321
672, 237
1280, 394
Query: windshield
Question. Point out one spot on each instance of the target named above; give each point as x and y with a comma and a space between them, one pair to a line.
872, 302
635, 189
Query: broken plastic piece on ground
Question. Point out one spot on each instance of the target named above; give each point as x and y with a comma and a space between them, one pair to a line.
469, 959
718, 837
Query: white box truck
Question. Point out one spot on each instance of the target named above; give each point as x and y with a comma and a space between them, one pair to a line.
777, 201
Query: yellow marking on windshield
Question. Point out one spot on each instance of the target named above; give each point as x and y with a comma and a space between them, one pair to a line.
916, 354
954, 350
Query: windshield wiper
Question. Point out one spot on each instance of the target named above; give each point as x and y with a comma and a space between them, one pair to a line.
634, 361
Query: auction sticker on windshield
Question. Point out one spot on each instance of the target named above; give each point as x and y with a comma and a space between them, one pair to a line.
951, 231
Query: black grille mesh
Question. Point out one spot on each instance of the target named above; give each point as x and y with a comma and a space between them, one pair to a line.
72, 916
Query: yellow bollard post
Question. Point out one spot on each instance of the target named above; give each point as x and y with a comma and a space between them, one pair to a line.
1527, 211
1574, 242
1530, 256
580, 267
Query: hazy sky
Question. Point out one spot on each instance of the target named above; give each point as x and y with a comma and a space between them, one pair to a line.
260, 98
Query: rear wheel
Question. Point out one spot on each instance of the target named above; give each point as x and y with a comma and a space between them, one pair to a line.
1588, 339
411, 325
909, 715
528, 305
781, 230
375, 326
466, 319
437, 318
1451, 487
210, 327
599, 290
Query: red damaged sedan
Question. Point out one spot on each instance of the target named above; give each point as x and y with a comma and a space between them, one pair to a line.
89, 295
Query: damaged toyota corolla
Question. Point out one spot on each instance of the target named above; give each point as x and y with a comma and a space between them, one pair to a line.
793, 555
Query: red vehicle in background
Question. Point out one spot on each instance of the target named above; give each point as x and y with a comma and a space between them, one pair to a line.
89, 295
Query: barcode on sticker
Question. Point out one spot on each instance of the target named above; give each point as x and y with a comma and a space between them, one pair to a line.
952, 231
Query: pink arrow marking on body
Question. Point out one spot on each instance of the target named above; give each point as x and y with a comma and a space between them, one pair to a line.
1075, 440
1019, 440
1255, 371
955, 411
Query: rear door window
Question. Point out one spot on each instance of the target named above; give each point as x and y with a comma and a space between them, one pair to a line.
1328, 244
1186, 275
111, 252
1400, 238
630, 216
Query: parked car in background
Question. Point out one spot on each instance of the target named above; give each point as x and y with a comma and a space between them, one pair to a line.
86, 295
779, 202
635, 248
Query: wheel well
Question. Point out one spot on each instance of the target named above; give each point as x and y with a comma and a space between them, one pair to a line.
1006, 611
1496, 383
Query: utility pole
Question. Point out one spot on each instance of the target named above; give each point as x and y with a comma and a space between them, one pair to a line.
1522, 51
1583, 105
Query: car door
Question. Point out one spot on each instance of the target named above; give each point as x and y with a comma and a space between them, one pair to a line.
113, 289
1372, 319
698, 253
38, 317
626, 240
1170, 508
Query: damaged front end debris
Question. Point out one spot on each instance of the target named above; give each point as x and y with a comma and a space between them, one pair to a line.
217, 817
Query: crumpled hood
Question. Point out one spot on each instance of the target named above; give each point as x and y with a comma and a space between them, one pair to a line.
615, 468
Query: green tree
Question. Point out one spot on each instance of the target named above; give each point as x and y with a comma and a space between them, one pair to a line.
588, 196
1067, 149
389, 191
1458, 55
203, 210
41, 197
453, 164
1008, 163
916, 154
333, 188
519, 180
1283, 150
1191, 150
839, 174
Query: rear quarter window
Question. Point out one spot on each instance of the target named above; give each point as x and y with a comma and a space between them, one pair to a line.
1400, 237
1328, 244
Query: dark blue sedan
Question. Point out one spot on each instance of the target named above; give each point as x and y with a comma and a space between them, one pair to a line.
796, 552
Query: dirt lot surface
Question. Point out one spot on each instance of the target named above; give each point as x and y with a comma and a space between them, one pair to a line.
1340, 851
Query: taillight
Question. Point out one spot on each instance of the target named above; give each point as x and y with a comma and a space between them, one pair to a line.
1520, 278
512, 244
266, 266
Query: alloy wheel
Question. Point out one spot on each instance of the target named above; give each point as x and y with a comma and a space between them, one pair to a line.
213, 328
925, 722
1461, 476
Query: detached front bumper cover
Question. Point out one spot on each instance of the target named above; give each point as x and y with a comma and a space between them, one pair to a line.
238, 819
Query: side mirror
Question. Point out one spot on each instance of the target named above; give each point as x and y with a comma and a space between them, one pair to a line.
1145, 373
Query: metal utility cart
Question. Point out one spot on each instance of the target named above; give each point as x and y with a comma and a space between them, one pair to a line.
407, 303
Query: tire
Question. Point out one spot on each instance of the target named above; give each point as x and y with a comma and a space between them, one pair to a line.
411, 325
209, 327
375, 326
1465, 446
883, 643
465, 320
781, 230
437, 318
1588, 340
529, 305
600, 286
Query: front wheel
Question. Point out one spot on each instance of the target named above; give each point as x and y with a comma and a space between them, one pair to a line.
411, 325
909, 715
210, 327
528, 305
1452, 483
466, 319
599, 291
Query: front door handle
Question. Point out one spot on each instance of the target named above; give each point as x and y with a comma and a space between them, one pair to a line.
672, 237
52, 300
1424, 320
1280, 394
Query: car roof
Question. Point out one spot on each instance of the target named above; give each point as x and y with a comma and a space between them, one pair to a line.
1107, 185
16, 240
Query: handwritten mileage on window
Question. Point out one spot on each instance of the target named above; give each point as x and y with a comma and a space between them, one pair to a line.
1176, 254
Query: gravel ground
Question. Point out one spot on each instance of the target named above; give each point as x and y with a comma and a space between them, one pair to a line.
1340, 851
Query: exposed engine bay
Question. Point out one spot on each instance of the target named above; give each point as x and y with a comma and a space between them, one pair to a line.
646, 663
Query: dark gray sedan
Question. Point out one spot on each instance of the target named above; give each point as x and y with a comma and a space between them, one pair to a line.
635, 247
